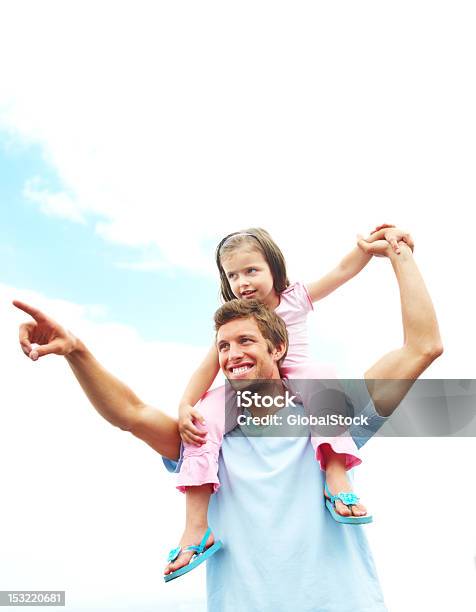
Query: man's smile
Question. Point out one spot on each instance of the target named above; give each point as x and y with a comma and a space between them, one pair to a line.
241, 370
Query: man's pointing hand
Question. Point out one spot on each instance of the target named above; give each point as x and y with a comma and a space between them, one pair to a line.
47, 335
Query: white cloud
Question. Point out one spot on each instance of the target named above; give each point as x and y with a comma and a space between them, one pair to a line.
174, 124
52, 204
200, 125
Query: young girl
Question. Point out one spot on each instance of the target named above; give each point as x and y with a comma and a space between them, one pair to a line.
251, 266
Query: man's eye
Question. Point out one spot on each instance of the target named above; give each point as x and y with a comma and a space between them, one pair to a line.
222, 347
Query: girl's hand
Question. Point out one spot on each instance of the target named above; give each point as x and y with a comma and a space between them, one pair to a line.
379, 227
378, 248
189, 433
392, 235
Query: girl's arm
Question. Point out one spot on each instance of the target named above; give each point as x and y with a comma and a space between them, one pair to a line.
201, 380
351, 265
355, 261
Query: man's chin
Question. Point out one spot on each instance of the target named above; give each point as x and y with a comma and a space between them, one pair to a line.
243, 384
258, 385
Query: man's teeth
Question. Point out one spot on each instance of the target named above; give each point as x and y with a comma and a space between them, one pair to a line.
241, 370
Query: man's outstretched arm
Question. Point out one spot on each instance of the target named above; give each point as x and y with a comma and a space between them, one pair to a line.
422, 344
112, 398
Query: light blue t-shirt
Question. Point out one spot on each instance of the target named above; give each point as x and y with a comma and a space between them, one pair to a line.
282, 549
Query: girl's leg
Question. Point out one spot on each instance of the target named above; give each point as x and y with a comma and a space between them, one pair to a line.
198, 476
196, 524
337, 481
200, 463
335, 453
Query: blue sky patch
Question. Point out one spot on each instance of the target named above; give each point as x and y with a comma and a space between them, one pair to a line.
67, 260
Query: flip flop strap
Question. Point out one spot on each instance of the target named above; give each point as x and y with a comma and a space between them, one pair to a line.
175, 552
349, 499
201, 547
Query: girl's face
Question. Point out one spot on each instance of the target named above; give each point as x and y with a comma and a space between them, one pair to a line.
249, 276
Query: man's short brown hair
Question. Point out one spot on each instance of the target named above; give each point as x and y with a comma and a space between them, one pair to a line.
271, 326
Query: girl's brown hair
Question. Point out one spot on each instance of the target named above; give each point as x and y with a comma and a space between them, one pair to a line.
258, 239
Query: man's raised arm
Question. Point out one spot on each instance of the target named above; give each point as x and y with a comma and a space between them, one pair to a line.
391, 377
112, 399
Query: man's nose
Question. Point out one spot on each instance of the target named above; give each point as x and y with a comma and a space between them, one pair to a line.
235, 352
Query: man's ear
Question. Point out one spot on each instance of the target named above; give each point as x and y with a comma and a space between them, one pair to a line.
278, 352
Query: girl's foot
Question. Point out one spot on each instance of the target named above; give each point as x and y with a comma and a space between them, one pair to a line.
337, 482
192, 536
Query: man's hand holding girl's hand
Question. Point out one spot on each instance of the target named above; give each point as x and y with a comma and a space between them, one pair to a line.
383, 239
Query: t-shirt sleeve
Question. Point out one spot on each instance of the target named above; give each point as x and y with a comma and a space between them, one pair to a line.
301, 296
171, 465
361, 404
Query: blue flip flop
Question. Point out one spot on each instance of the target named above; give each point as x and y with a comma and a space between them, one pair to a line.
200, 555
349, 499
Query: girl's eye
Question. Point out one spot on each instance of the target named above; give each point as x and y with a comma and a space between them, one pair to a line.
231, 276
252, 270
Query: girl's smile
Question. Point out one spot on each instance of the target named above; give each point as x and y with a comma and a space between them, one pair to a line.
250, 277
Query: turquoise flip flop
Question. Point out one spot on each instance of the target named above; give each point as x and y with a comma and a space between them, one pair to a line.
349, 499
200, 555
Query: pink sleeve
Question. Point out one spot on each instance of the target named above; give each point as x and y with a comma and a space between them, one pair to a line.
302, 297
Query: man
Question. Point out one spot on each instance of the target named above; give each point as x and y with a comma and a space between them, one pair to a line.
282, 549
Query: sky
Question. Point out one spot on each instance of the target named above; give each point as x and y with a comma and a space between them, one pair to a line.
133, 136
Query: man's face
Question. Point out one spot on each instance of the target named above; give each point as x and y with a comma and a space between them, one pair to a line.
243, 352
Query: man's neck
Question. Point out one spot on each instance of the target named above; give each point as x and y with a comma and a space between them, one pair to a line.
263, 395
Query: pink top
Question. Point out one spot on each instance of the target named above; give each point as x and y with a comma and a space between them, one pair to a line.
294, 306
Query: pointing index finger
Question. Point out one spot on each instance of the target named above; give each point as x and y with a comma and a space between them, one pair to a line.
33, 312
